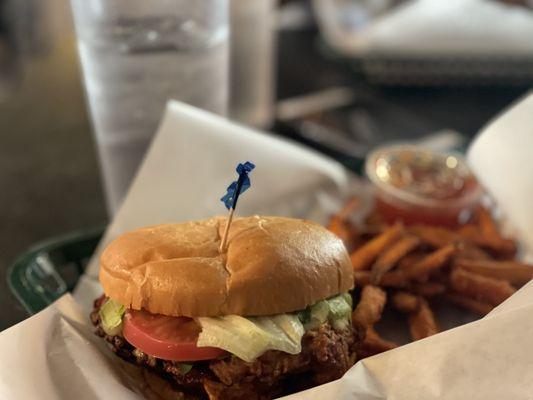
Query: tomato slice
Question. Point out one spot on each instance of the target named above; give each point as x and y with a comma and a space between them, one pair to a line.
169, 338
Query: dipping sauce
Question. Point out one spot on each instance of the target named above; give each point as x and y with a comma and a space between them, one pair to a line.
417, 185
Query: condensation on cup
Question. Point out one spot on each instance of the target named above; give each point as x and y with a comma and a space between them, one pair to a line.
137, 54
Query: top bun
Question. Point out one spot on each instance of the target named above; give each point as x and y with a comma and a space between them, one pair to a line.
272, 265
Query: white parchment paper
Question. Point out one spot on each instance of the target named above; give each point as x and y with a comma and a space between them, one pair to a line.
54, 354
429, 28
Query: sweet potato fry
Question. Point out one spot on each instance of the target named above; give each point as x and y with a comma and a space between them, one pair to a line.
422, 323
395, 279
342, 229
468, 303
486, 223
405, 302
505, 248
374, 344
410, 259
340, 225
363, 257
349, 208
374, 218
482, 288
428, 289
472, 252
388, 259
433, 261
361, 278
433, 236
513, 272
369, 232
467, 229
498, 245
370, 307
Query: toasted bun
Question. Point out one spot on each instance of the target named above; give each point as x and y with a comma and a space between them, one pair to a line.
272, 265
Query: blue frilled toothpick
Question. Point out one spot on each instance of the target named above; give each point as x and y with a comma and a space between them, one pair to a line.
230, 198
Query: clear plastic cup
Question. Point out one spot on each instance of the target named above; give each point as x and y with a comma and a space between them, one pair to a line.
419, 186
136, 55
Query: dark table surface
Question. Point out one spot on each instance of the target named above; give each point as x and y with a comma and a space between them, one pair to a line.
49, 179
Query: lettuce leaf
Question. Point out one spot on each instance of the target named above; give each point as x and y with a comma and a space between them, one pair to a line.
111, 314
248, 338
339, 308
319, 313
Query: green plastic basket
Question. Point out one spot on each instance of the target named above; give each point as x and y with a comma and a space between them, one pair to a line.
51, 268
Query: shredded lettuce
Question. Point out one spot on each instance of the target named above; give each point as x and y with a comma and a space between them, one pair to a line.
305, 315
184, 368
318, 314
111, 314
348, 298
248, 338
337, 310
341, 323
291, 326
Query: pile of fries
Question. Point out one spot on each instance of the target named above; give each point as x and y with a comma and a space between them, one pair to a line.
409, 267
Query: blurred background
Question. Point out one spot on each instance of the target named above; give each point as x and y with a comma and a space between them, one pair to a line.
83, 84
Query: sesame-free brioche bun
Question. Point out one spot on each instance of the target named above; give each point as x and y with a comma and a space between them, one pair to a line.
271, 265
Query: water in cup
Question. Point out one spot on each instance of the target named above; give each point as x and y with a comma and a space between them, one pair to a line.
136, 55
